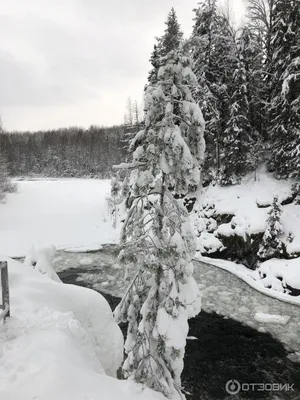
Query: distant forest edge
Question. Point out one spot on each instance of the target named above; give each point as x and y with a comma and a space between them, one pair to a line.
65, 152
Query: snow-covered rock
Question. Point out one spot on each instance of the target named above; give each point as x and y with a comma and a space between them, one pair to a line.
40, 257
281, 272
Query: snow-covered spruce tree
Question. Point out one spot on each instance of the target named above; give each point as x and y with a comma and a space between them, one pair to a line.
156, 238
285, 90
170, 40
238, 144
272, 246
212, 57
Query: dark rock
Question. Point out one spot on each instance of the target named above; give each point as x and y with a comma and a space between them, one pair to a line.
240, 250
292, 291
223, 218
263, 205
289, 200
189, 203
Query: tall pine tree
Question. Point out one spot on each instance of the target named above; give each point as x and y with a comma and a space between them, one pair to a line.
284, 117
156, 237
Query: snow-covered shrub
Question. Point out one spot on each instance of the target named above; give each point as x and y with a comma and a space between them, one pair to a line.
272, 246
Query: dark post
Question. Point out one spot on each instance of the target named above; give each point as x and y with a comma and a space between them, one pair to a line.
5, 290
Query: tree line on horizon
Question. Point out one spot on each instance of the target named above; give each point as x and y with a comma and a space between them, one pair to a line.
248, 90
65, 152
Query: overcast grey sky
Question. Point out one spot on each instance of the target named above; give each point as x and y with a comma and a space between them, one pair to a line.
75, 62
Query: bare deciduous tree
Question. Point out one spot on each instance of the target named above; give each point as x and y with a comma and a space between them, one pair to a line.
260, 18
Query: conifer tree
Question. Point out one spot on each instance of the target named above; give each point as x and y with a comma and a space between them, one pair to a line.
284, 114
272, 245
156, 237
172, 36
212, 56
238, 142
170, 40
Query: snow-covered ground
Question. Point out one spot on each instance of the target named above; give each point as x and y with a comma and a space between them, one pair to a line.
64, 212
248, 203
61, 342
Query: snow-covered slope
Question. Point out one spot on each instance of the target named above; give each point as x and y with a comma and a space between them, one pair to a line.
248, 203
60, 343
65, 212
242, 211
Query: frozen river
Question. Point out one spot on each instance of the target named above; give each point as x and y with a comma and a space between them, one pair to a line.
222, 292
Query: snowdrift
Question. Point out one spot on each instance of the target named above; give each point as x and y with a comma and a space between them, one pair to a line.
60, 343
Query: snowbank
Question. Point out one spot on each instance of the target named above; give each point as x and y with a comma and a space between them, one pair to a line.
60, 343
65, 212
256, 280
33, 293
287, 272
